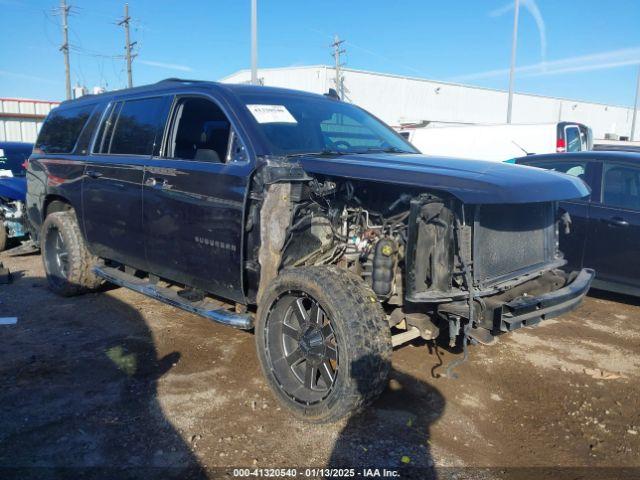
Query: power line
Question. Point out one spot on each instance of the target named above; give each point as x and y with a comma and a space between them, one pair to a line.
514, 46
337, 52
128, 44
64, 48
254, 42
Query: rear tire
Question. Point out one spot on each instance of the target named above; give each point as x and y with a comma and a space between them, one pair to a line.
67, 262
323, 342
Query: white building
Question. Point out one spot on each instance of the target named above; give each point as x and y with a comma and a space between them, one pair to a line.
400, 100
21, 119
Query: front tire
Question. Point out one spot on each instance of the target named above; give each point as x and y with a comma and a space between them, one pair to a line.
323, 342
67, 262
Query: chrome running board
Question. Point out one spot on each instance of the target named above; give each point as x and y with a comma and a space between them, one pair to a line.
206, 308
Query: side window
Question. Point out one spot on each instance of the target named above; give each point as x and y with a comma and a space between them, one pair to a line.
62, 128
103, 139
573, 139
621, 186
138, 125
201, 131
82, 145
343, 131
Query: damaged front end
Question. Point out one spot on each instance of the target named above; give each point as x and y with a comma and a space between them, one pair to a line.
488, 269
440, 267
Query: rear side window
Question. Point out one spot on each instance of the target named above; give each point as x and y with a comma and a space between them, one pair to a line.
62, 128
136, 128
621, 186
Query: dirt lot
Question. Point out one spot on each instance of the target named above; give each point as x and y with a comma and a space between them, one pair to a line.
116, 379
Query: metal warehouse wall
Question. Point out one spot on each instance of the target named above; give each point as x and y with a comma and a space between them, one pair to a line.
397, 99
21, 119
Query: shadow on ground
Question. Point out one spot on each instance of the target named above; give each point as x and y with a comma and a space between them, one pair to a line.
614, 297
78, 396
395, 431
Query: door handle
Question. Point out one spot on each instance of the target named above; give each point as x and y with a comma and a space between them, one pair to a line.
153, 182
93, 174
616, 222
150, 182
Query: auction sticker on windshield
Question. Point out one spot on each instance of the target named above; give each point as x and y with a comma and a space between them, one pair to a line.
271, 114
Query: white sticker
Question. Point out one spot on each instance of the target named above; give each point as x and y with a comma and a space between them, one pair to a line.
271, 114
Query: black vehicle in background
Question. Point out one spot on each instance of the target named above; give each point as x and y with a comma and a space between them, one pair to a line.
322, 229
605, 227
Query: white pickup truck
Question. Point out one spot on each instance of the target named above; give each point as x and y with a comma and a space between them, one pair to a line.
499, 142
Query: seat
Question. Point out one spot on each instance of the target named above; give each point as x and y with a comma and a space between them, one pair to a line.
213, 141
207, 155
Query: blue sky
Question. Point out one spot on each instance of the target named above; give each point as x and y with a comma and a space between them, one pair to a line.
582, 49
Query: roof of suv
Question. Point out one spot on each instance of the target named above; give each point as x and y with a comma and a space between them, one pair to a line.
177, 83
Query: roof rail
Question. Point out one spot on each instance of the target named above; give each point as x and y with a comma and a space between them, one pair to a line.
178, 80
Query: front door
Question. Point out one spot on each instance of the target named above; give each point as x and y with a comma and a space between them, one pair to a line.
193, 201
613, 246
112, 182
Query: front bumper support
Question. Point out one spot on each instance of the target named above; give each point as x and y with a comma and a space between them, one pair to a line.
527, 311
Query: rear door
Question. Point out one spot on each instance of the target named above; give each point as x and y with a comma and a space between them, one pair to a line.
194, 197
574, 140
112, 184
613, 247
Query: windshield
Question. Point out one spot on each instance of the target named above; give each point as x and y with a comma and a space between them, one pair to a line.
12, 159
297, 124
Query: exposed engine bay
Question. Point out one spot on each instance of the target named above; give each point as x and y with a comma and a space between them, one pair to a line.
437, 266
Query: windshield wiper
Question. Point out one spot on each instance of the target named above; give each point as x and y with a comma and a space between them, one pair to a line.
383, 150
322, 153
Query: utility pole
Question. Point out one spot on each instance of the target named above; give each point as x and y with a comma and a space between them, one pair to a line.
127, 45
254, 42
64, 48
337, 51
514, 46
635, 107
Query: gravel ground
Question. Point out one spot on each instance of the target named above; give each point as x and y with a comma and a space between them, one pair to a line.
114, 379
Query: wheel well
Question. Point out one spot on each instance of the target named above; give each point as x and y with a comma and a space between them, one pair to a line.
54, 203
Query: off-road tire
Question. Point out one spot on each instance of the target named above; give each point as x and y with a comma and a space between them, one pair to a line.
362, 336
4, 237
78, 276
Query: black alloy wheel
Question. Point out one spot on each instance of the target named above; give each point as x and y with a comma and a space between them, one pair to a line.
303, 347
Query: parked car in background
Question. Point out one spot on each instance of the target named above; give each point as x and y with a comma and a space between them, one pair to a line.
13, 189
605, 227
617, 145
500, 143
330, 235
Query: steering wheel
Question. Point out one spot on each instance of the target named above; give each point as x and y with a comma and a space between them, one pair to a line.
341, 145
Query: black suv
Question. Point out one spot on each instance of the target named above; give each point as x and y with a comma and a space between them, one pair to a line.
320, 228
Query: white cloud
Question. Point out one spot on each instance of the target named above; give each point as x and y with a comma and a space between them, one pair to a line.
583, 63
532, 7
166, 66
